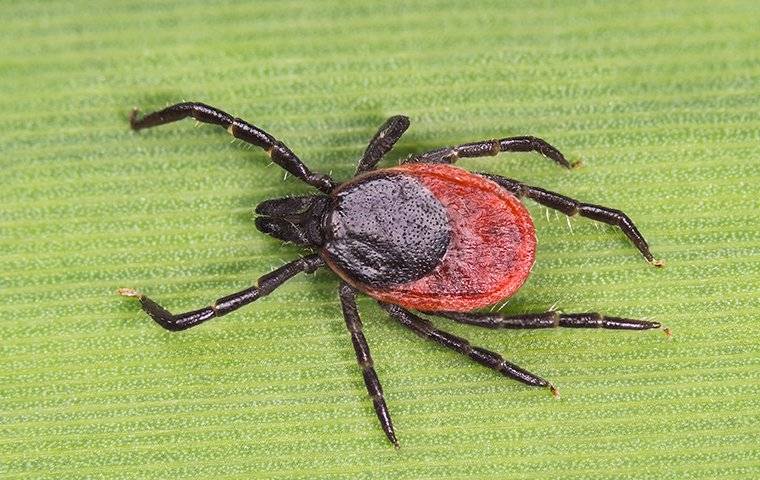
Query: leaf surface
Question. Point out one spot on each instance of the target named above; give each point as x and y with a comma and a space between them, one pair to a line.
659, 101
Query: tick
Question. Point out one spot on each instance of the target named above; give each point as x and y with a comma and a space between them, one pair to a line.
422, 238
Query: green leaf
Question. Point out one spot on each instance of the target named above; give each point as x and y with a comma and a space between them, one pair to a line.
659, 100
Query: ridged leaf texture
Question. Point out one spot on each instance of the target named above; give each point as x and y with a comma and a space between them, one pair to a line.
659, 100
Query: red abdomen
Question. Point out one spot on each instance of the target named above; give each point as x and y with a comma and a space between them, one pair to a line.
490, 250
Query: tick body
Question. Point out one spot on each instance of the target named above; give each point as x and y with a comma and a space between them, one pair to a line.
430, 237
424, 237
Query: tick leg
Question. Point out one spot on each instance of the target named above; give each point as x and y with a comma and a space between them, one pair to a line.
487, 148
383, 141
277, 151
572, 207
484, 357
364, 359
265, 285
550, 319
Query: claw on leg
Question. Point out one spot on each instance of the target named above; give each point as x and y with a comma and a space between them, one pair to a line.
133, 117
129, 292
554, 390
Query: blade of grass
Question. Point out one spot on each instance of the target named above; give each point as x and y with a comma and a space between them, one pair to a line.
659, 101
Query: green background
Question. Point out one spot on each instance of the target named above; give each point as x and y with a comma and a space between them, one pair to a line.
660, 102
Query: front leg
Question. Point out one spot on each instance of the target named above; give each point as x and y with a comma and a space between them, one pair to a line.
383, 141
264, 286
240, 129
489, 148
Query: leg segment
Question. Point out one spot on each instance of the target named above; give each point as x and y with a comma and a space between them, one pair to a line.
277, 151
484, 357
550, 319
363, 358
265, 285
572, 207
383, 141
488, 148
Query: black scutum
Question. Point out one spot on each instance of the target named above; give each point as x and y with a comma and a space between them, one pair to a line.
387, 229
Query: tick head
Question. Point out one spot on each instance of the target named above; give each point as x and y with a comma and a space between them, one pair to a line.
294, 219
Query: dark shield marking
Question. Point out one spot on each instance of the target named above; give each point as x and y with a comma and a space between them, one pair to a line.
387, 229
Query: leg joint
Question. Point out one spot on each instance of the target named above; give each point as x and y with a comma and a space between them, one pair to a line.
555, 316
